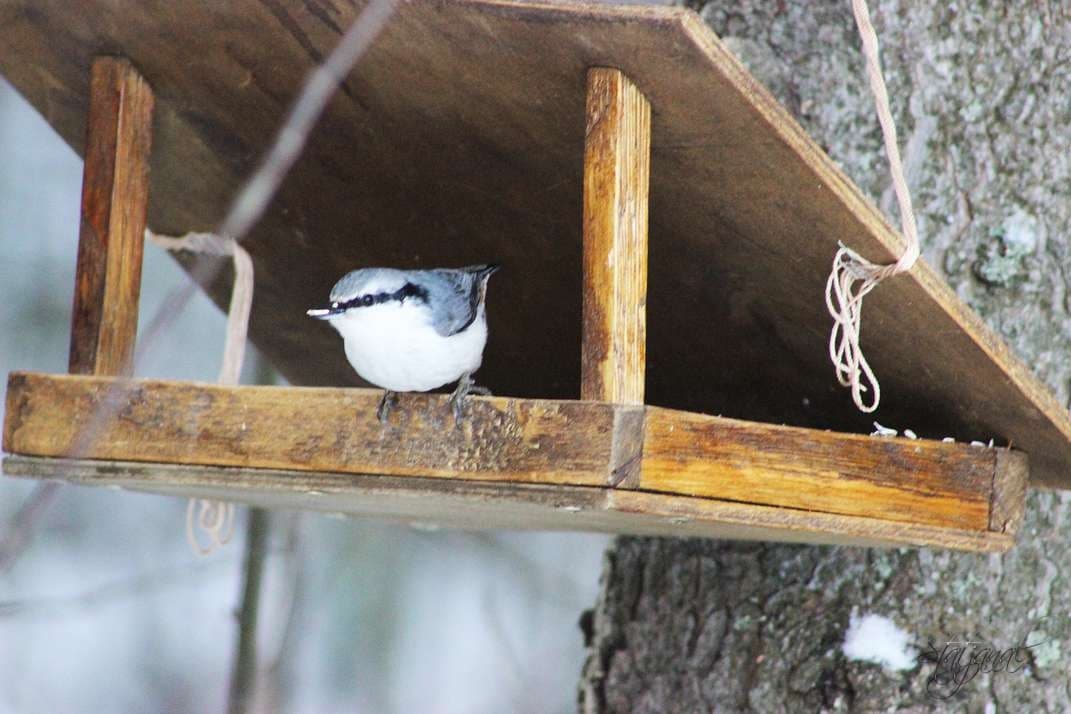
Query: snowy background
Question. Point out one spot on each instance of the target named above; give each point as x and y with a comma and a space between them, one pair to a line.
109, 611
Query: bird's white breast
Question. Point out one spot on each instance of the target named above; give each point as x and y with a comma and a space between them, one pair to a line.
393, 346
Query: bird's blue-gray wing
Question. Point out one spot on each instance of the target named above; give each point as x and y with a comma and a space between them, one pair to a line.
455, 296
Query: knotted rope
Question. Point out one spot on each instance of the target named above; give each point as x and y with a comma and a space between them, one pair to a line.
215, 519
853, 276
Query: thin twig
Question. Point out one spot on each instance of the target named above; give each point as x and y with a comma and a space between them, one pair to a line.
244, 674
20, 532
178, 574
319, 88
255, 194
276, 672
245, 677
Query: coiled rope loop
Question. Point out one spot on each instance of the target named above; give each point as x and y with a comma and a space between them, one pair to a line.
853, 276
215, 519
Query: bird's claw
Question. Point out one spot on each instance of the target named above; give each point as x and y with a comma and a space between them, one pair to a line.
385, 405
457, 405
465, 387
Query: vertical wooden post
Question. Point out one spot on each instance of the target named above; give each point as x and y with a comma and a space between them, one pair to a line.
616, 179
115, 191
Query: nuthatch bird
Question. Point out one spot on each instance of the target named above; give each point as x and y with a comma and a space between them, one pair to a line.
412, 330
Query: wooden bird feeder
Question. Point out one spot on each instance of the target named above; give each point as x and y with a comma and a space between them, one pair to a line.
535, 136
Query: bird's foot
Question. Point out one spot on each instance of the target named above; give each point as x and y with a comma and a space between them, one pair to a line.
385, 405
464, 388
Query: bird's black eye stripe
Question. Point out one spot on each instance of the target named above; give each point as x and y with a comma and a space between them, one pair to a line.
410, 291
407, 291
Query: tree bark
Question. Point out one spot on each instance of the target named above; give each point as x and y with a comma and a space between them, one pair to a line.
980, 94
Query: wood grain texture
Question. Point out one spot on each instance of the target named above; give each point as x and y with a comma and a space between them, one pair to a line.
627, 449
322, 429
115, 199
1009, 491
479, 505
916, 481
467, 120
617, 165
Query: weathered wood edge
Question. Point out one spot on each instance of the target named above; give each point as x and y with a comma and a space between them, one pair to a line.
485, 505
917, 481
626, 448
1010, 476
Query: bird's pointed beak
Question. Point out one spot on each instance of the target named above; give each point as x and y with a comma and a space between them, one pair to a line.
322, 313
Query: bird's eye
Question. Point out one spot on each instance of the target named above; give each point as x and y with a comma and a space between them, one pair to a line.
334, 304
367, 300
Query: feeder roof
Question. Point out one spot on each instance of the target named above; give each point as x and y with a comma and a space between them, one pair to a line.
459, 139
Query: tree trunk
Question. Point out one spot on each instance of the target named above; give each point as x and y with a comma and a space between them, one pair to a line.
980, 94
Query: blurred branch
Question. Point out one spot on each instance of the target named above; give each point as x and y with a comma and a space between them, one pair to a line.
555, 584
244, 674
289, 143
137, 585
20, 532
277, 667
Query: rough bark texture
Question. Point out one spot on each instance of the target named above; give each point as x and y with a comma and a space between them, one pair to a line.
980, 94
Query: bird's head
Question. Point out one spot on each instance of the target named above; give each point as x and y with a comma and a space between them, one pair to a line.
365, 288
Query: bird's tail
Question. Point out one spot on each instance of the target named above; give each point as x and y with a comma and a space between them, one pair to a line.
482, 272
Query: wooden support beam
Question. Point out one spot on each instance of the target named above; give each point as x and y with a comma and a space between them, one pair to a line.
115, 191
617, 154
807, 474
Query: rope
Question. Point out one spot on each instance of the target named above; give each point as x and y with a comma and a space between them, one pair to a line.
853, 276
215, 519
241, 293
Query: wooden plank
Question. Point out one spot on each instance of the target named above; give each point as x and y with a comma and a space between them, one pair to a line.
317, 429
478, 505
115, 196
617, 160
483, 140
510, 440
916, 481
